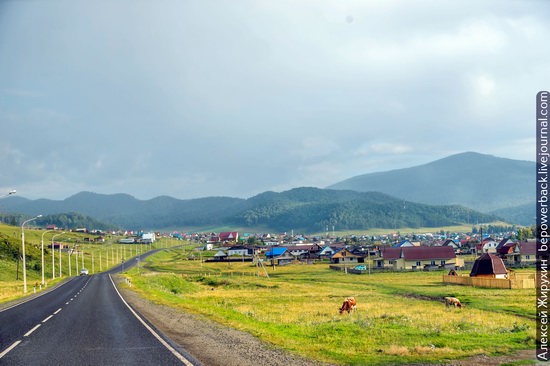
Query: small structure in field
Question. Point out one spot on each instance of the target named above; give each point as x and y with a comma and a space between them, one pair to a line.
489, 266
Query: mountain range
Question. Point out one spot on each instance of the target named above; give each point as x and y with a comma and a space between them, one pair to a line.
449, 191
486, 183
303, 209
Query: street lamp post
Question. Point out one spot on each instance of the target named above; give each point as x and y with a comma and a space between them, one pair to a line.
9, 193
42, 245
60, 268
69, 261
53, 254
23, 249
5, 195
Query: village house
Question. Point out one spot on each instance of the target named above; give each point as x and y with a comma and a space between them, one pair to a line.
416, 258
279, 256
503, 242
148, 238
344, 256
229, 236
327, 252
220, 255
240, 250
521, 253
489, 265
451, 243
486, 246
506, 250
387, 258
404, 243
304, 250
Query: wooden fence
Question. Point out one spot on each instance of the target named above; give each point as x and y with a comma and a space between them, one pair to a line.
519, 281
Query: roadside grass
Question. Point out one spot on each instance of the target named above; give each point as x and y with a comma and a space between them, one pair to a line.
401, 318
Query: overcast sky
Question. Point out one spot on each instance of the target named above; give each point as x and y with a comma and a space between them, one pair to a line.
196, 98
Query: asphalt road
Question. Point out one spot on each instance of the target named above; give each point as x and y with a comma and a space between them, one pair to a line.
83, 322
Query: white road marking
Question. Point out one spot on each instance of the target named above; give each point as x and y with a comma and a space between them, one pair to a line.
58, 310
159, 338
32, 330
9, 349
48, 318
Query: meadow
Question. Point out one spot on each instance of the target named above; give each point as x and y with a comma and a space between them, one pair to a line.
401, 318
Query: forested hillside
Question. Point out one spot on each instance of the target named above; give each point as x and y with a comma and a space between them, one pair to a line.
71, 220
312, 209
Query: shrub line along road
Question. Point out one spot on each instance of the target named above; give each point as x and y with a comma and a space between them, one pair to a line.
87, 322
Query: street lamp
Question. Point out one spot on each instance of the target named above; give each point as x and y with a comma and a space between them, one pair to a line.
53, 255
60, 268
23, 247
42, 241
9, 193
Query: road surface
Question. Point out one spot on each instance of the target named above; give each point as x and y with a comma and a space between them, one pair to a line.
83, 322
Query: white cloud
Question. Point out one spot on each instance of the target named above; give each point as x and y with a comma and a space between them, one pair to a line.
483, 85
383, 148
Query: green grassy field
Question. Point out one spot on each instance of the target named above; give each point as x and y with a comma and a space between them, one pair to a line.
401, 318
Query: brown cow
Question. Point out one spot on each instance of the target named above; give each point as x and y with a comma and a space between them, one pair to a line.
452, 301
348, 305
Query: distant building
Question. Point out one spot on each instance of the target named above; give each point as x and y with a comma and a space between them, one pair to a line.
344, 256
418, 258
489, 265
229, 236
240, 250
148, 238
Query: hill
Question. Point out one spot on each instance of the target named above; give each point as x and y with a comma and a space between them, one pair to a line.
305, 209
482, 182
313, 209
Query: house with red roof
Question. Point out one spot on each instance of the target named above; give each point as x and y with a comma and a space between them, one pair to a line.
229, 236
521, 253
489, 265
419, 258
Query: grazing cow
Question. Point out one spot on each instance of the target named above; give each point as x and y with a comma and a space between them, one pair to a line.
348, 305
452, 301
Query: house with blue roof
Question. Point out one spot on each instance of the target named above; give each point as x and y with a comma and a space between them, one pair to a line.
279, 255
404, 244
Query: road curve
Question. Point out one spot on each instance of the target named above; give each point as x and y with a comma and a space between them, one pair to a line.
83, 322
